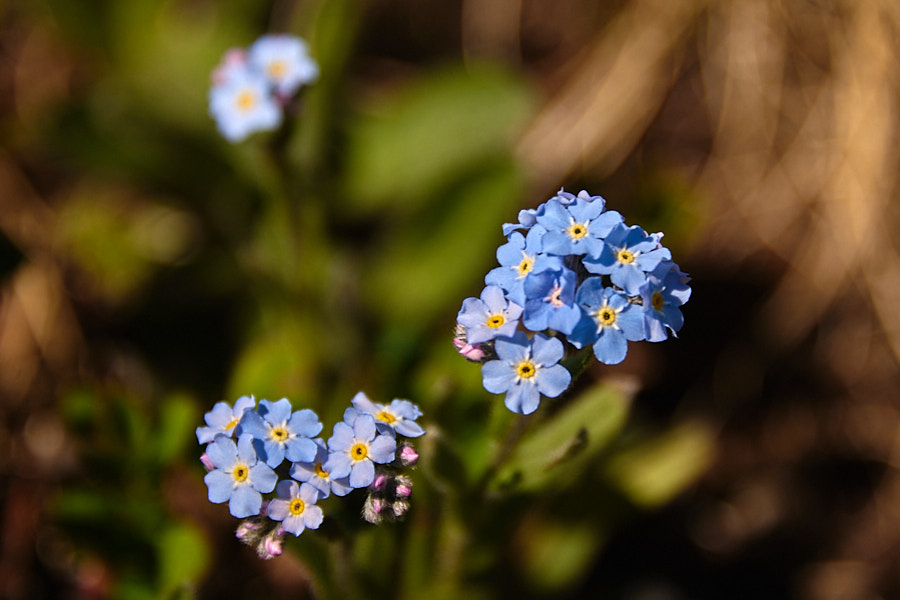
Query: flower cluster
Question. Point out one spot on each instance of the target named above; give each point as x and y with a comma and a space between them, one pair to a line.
251, 87
254, 450
570, 271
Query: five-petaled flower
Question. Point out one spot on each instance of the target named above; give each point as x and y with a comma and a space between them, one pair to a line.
279, 434
239, 476
296, 507
609, 322
356, 446
397, 417
314, 473
526, 369
489, 317
222, 419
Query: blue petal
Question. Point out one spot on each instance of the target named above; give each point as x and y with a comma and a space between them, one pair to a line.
553, 381
381, 449
610, 347
220, 486
585, 333
278, 412
523, 398
498, 376
338, 464
546, 351
512, 349
312, 517
278, 509
245, 502
263, 478
362, 474
305, 422
342, 438
364, 428
510, 253
272, 453
222, 452
564, 318
253, 424
631, 322
409, 429
300, 450
629, 278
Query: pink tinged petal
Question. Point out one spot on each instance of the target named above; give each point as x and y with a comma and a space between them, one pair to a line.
308, 493
204, 458
312, 517
279, 509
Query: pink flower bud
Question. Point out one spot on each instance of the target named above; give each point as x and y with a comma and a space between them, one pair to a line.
468, 351
403, 491
378, 483
206, 462
271, 547
408, 455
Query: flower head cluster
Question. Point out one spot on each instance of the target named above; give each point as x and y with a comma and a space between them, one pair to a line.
251, 87
253, 449
570, 272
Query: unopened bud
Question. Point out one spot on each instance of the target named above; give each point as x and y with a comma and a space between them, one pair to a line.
400, 507
403, 491
378, 483
408, 455
204, 458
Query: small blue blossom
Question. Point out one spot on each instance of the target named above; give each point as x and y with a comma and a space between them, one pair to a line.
518, 257
242, 104
284, 61
488, 317
222, 419
238, 476
355, 448
665, 290
628, 254
550, 302
282, 434
296, 507
314, 474
577, 228
609, 321
525, 370
397, 417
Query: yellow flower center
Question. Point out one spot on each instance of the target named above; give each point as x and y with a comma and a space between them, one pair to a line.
297, 506
240, 472
525, 266
577, 231
246, 100
625, 257
231, 424
495, 321
385, 417
657, 301
359, 451
279, 434
277, 69
526, 369
320, 471
606, 316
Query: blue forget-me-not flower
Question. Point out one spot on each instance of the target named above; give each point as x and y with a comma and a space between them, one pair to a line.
296, 507
239, 477
280, 433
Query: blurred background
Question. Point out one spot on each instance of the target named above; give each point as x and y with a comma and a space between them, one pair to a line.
149, 269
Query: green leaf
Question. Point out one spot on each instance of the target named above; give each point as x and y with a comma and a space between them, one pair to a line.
423, 137
557, 451
654, 471
183, 556
176, 422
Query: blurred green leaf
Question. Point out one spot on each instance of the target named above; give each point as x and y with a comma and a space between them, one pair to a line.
555, 554
423, 268
562, 445
654, 471
183, 556
419, 139
177, 419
